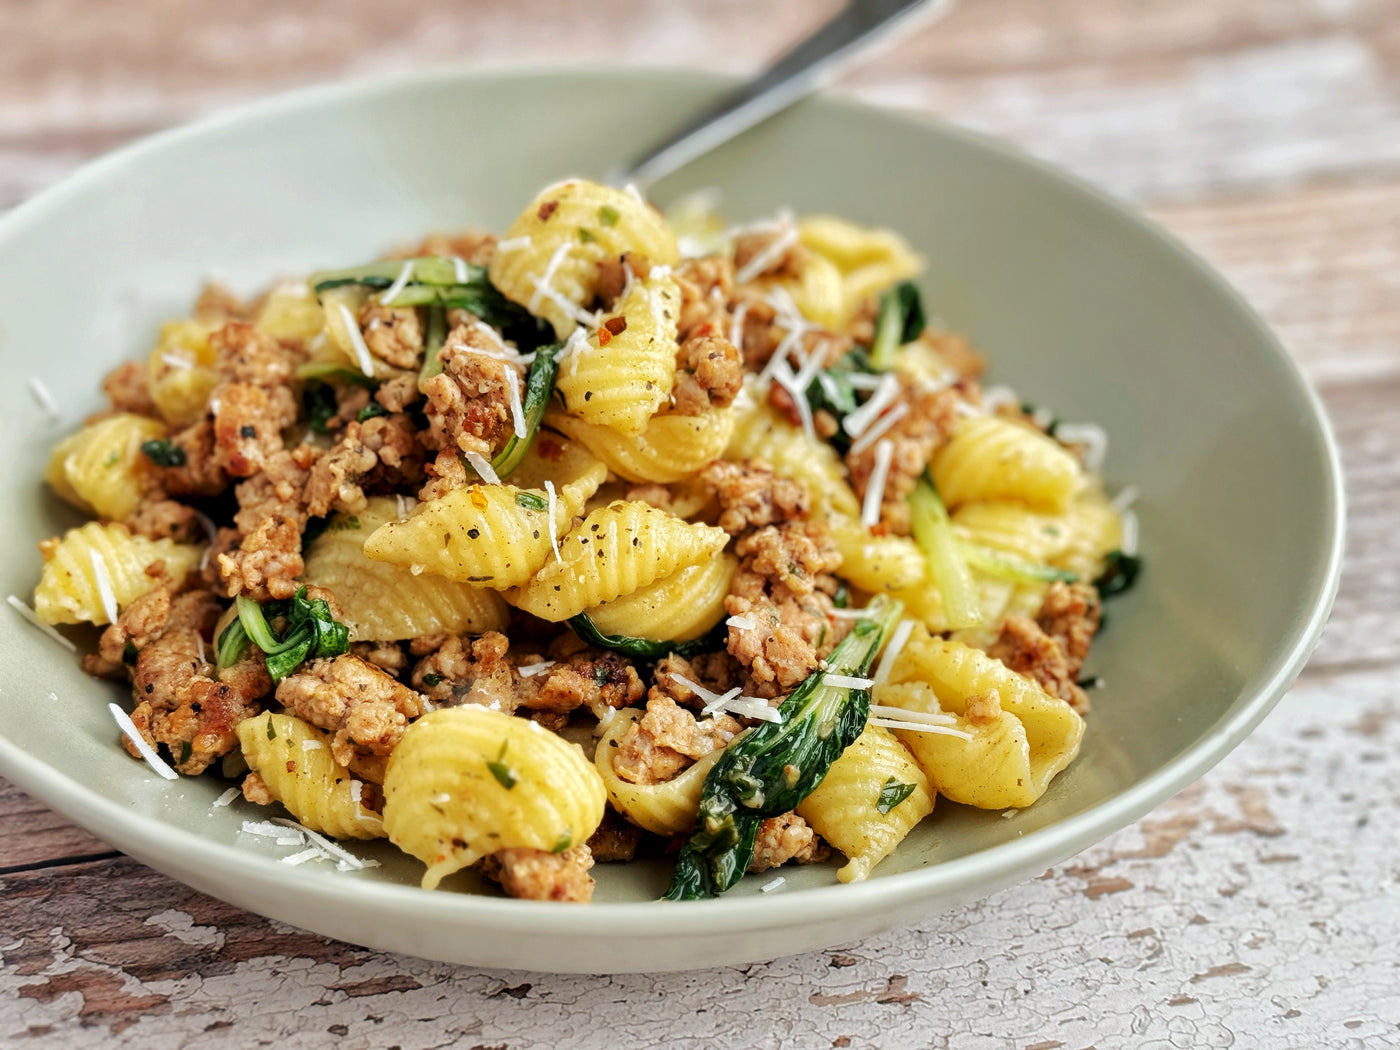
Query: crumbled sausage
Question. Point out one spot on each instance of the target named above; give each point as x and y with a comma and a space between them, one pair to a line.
387, 656
666, 740
468, 405
255, 790
333, 483
248, 424
615, 840
444, 473
928, 423
786, 838
365, 708
709, 374
537, 875
460, 670
166, 519
398, 392
718, 672
1050, 649
581, 677
200, 474
707, 285
789, 263
128, 387
394, 441
752, 496
392, 333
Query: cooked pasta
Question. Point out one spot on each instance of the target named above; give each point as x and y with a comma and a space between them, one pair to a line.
467, 782
295, 763
96, 568
592, 541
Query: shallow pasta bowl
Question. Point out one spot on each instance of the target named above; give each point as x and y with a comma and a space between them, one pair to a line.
1080, 304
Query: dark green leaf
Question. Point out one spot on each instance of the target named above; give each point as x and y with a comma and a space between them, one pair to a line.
892, 794
163, 453
1120, 574
271, 730
311, 631
539, 384
645, 648
130, 652
431, 679
374, 408
318, 401
231, 643
901, 321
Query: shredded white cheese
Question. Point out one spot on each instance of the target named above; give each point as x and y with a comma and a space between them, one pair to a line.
104, 586
313, 853
856, 423
459, 268
441, 798
771, 254
708, 695
482, 466
542, 281
920, 727
996, 396
848, 614
357, 341
211, 533
933, 718
517, 411
1092, 436
133, 734
553, 529
30, 615
846, 681
400, 283
1129, 543
736, 325
42, 396
263, 829
754, 707
226, 798
782, 375
513, 244
741, 622
574, 347
893, 649
530, 670
312, 745
176, 361
861, 381
769, 887
881, 427
875, 486
325, 843
1125, 499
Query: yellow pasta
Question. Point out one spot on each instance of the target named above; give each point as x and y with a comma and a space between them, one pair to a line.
466, 782
867, 260
621, 383
877, 563
846, 807
671, 448
676, 608
295, 762
1094, 529
291, 313
101, 469
990, 458
1000, 599
616, 550
1021, 736
761, 433
381, 601
820, 293
548, 259
493, 535
668, 808
180, 371
70, 589
1006, 525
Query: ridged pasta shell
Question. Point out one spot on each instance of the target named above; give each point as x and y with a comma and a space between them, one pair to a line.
68, 590
991, 458
671, 448
761, 433
676, 608
669, 808
101, 469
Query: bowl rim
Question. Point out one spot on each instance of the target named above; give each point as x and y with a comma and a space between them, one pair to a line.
170, 848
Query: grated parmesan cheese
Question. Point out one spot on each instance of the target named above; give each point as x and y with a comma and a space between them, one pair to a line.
846, 681
30, 615
513, 244
542, 282
919, 727
301, 858
769, 887
894, 647
1092, 436
312, 745
771, 253
882, 425
517, 411
226, 798
530, 670
736, 325
553, 529
856, 423
1125, 499
459, 268
875, 486
133, 734
104, 586
400, 283
176, 361
42, 396
325, 843
483, 468
754, 707
1129, 543
933, 718
357, 341
741, 622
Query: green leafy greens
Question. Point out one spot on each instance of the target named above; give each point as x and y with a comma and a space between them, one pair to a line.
901, 321
772, 768
310, 631
645, 648
163, 453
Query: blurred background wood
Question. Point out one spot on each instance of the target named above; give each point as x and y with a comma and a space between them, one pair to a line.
1258, 908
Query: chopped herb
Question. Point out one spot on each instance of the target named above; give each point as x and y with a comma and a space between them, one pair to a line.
113, 458
505, 776
130, 652
608, 215
431, 679
842, 598
374, 408
1120, 574
271, 729
530, 501
187, 749
344, 524
586, 235
562, 842
892, 794
163, 453
248, 431
311, 631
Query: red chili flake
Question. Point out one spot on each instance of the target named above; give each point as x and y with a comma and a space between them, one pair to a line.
705, 329
604, 336
546, 210
616, 325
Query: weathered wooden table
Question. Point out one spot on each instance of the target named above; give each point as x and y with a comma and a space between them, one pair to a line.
1259, 908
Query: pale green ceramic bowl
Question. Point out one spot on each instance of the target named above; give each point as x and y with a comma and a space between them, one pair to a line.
1082, 305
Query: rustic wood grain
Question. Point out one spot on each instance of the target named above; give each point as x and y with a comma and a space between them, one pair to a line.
1259, 908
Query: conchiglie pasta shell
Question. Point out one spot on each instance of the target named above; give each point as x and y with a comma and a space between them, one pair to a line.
616, 550
101, 469
761, 433
291, 312
68, 591
1094, 529
1015, 528
876, 563
676, 608
381, 601
444, 804
990, 458
1010, 759
180, 371
622, 383
669, 808
671, 448
595, 222
843, 808
317, 790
